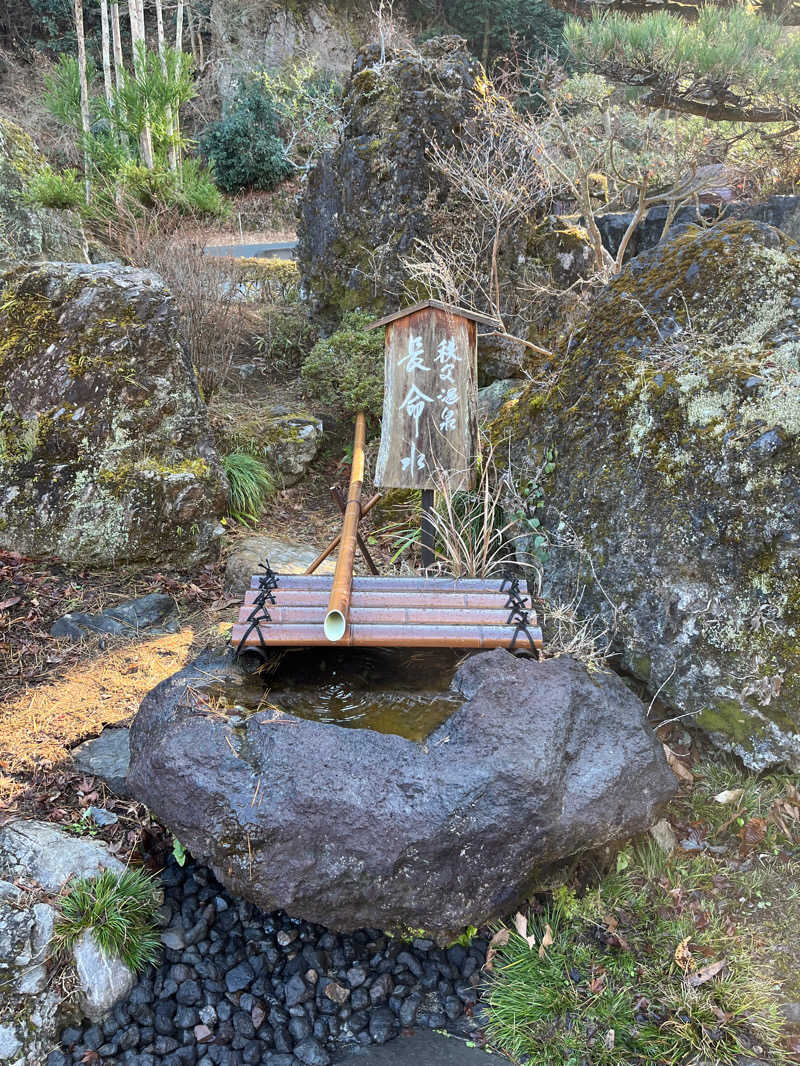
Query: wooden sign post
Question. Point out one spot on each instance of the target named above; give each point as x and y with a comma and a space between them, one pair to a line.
429, 431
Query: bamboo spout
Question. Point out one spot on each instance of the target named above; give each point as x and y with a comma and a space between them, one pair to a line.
339, 604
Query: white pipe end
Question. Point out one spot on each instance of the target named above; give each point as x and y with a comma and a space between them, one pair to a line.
335, 625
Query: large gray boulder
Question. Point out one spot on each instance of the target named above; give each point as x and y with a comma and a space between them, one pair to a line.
105, 449
356, 828
27, 231
674, 496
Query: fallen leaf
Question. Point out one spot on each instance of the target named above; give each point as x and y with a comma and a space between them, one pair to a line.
597, 983
705, 973
609, 1040
500, 939
730, 795
547, 940
10, 602
677, 766
521, 926
753, 832
683, 957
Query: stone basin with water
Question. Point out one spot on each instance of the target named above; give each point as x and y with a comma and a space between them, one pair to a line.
435, 808
397, 691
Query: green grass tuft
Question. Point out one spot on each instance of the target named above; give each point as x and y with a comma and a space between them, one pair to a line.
120, 910
610, 989
251, 486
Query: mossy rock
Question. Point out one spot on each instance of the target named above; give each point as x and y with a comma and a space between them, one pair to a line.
675, 498
105, 449
26, 231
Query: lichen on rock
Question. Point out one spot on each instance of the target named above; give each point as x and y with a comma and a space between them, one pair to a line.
105, 449
675, 498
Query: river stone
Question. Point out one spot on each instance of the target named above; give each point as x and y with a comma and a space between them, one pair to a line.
154, 613
105, 449
106, 757
673, 502
359, 828
284, 557
29, 232
103, 979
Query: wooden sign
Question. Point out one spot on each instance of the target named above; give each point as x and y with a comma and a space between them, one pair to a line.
430, 403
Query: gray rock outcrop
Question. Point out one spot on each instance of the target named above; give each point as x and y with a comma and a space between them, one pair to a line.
32, 1004
105, 449
265, 35
358, 828
674, 496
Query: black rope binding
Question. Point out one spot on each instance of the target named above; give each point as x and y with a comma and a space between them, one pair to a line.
267, 583
518, 612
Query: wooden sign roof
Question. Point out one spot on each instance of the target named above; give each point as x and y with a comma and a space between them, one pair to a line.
474, 316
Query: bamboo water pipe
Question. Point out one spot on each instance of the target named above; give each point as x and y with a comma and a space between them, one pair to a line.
335, 625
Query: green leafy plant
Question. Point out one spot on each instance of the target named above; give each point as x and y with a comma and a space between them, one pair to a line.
345, 370
244, 146
529, 498
51, 188
178, 852
251, 486
119, 909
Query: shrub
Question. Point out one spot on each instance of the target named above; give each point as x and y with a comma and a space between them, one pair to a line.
49, 188
345, 371
198, 195
244, 146
214, 324
120, 910
251, 486
289, 337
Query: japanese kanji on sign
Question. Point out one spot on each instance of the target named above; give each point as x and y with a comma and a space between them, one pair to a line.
430, 419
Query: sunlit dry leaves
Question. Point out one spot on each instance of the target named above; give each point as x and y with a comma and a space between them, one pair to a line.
678, 768
705, 973
521, 926
499, 940
730, 795
683, 956
547, 940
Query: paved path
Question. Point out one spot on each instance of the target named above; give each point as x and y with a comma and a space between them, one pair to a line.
275, 250
422, 1049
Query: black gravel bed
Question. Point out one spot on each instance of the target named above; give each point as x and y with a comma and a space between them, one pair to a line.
240, 987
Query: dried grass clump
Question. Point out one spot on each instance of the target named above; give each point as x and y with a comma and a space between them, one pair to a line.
38, 728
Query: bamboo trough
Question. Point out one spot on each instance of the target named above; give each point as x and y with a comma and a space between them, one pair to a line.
310, 610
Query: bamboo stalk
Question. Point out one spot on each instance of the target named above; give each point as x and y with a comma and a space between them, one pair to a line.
84, 89
367, 635
339, 604
334, 544
105, 40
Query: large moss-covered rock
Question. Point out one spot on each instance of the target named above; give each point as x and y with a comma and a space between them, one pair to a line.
370, 200
28, 232
675, 496
105, 450
367, 201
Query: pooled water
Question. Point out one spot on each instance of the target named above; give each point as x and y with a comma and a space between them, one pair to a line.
390, 691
